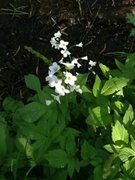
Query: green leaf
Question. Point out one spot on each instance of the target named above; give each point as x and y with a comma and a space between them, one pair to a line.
11, 105
119, 65
24, 146
130, 167
87, 151
126, 153
57, 158
119, 134
32, 82
38, 55
113, 85
97, 86
129, 116
131, 18
107, 169
98, 116
130, 61
112, 148
82, 79
3, 138
32, 112
132, 32
73, 165
105, 70
133, 144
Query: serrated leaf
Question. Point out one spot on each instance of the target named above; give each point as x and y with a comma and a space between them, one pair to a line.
105, 70
113, 85
119, 134
97, 86
57, 158
32, 82
32, 112
126, 153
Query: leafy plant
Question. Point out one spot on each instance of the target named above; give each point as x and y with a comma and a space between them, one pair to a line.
86, 132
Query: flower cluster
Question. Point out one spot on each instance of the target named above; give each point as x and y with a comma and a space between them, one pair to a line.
64, 82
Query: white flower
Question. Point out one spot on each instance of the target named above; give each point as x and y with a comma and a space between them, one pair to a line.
70, 79
61, 90
79, 45
75, 61
76, 88
53, 81
63, 44
54, 68
92, 63
84, 58
48, 102
65, 53
54, 43
57, 34
57, 98
49, 77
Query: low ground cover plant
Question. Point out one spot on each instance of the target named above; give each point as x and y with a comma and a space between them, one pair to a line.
69, 130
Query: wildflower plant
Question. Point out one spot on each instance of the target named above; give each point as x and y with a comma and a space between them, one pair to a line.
68, 129
62, 75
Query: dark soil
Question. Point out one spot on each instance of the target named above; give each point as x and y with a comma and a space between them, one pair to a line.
100, 24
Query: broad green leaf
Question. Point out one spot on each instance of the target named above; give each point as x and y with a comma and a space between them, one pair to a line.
112, 148
97, 86
113, 85
57, 158
118, 106
32, 82
24, 146
98, 172
3, 138
98, 116
129, 116
82, 79
130, 167
126, 153
119, 65
11, 105
107, 169
73, 165
105, 70
87, 151
130, 61
119, 134
32, 112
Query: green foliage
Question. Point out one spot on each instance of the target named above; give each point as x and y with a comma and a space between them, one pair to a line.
131, 19
89, 134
